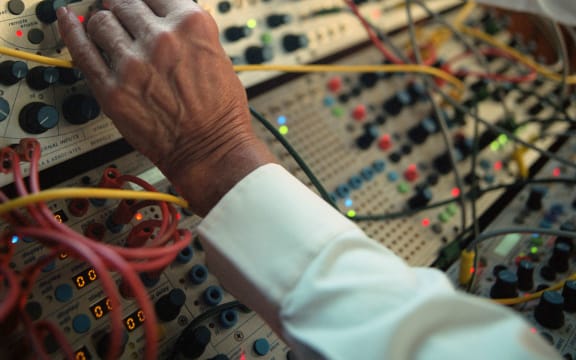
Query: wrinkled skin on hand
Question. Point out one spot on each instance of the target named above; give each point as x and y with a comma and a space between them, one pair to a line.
159, 72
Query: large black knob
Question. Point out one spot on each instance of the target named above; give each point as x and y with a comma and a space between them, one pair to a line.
569, 295
525, 274
292, 42
45, 12
168, 306
396, 103
193, 342
12, 71
258, 54
366, 140
420, 132
534, 201
79, 109
37, 117
505, 285
235, 33
549, 312
567, 226
4, 109
103, 344
560, 259
420, 199
276, 20
70, 76
41, 77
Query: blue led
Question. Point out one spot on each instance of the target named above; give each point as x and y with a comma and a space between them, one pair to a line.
329, 101
348, 202
15, 239
281, 120
392, 176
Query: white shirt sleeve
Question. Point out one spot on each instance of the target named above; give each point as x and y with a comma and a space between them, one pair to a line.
563, 11
333, 293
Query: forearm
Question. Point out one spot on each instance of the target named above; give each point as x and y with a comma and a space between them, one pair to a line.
559, 10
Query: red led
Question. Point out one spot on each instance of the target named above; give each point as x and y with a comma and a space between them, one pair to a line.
138, 216
455, 192
178, 216
19, 33
556, 172
533, 330
472, 270
335, 84
81, 18
426, 222
498, 165
243, 356
411, 174
385, 142
359, 112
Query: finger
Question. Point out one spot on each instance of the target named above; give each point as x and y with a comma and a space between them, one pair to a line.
163, 8
135, 16
107, 33
85, 54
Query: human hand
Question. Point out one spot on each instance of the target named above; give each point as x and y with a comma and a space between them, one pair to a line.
170, 88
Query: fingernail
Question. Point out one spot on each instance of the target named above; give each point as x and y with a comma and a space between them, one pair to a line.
62, 11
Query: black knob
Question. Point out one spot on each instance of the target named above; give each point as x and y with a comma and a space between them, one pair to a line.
41, 77
560, 259
258, 54
421, 198
369, 80
292, 42
79, 109
535, 109
45, 12
567, 226
70, 76
4, 109
525, 274
12, 71
37, 117
443, 163
534, 201
276, 20
235, 33
103, 344
168, 306
569, 295
505, 285
224, 6
417, 92
193, 342
366, 140
420, 132
549, 312
396, 103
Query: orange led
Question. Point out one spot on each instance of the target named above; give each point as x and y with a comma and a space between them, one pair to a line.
138, 216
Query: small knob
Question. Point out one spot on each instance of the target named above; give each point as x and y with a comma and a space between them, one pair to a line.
549, 312
79, 109
292, 42
37, 118
369, 80
417, 91
569, 295
421, 199
567, 226
12, 71
193, 342
16, 7
258, 54
4, 109
560, 259
261, 347
235, 33
365, 140
420, 132
276, 20
505, 285
525, 274
41, 77
45, 12
168, 306
396, 103
534, 201
69, 76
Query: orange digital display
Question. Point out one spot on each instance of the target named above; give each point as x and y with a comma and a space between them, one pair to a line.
85, 278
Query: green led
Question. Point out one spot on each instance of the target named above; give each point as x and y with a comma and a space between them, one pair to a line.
337, 111
503, 139
351, 213
403, 188
452, 209
534, 250
494, 146
283, 130
252, 23
266, 39
443, 217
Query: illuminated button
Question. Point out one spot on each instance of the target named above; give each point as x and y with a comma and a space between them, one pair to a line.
411, 174
359, 113
213, 295
35, 36
549, 311
34, 310
63, 293
261, 347
12, 71
45, 12
228, 318
4, 109
185, 255
335, 84
198, 274
81, 323
16, 7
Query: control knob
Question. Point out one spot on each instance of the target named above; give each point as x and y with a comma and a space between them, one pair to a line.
69, 76
525, 274
4, 109
396, 103
534, 201
193, 342
560, 259
168, 306
37, 118
421, 199
569, 295
549, 312
235, 33
293, 42
258, 54
79, 109
12, 71
276, 20
41, 77
45, 12
505, 285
